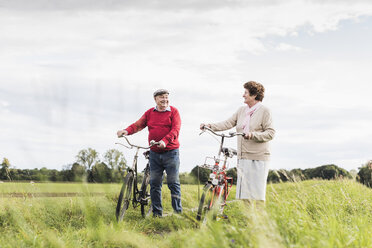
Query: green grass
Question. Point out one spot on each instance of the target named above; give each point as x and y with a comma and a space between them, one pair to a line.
58, 188
305, 214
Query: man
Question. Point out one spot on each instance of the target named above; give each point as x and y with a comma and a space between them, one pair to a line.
164, 125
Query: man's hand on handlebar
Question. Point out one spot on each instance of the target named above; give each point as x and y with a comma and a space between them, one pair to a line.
121, 133
161, 145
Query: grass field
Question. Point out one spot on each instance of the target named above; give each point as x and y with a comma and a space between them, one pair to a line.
304, 214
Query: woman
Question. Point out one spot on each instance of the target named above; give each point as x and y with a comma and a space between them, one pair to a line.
254, 120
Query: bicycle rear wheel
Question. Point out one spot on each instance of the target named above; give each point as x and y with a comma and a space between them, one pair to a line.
124, 196
146, 206
206, 201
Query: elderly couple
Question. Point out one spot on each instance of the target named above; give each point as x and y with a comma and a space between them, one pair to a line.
163, 122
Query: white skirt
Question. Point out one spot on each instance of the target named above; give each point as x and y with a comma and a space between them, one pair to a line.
252, 177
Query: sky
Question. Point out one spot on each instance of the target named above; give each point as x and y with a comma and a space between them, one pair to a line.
72, 73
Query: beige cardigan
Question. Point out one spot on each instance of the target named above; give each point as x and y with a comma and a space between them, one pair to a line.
262, 130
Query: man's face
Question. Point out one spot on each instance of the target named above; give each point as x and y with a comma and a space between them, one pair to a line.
162, 101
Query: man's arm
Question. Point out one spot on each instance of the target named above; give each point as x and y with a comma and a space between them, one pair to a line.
122, 132
135, 127
175, 129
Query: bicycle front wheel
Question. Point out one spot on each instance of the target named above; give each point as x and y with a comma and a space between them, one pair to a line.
124, 196
146, 206
206, 201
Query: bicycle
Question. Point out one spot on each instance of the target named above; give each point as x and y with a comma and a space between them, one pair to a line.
137, 196
217, 188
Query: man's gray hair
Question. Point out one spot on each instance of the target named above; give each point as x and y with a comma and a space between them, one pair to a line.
160, 92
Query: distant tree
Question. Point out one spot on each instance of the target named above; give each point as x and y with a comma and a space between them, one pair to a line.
101, 173
5, 167
35, 175
117, 176
54, 176
18, 174
115, 159
44, 174
78, 172
87, 157
66, 173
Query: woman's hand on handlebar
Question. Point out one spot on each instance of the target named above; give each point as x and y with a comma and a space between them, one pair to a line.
202, 125
121, 133
248, 135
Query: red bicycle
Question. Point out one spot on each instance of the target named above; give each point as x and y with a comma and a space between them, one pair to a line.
217, 188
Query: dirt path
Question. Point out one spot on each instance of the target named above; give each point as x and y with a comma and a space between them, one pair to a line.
47, 194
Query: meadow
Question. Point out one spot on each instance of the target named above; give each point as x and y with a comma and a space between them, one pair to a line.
312, 213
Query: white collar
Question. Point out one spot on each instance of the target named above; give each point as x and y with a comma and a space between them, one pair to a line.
167, 109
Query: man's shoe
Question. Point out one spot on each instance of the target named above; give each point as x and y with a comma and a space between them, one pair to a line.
222, 217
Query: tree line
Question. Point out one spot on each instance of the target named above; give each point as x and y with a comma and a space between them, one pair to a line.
89, 167
326, 172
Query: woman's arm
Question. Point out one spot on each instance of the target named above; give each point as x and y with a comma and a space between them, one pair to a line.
268, 130
227, 124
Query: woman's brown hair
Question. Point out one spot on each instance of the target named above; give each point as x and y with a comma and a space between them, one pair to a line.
255, 88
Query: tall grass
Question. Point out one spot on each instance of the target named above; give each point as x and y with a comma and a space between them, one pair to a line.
305, 214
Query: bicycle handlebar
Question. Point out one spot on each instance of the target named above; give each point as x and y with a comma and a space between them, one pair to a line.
231, 134
152, 143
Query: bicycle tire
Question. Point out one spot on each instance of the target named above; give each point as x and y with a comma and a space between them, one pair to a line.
124, 197
146, 206
206, 201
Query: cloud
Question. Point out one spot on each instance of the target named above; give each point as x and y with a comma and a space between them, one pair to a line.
74, 72
287, 47
114, 5
4, 104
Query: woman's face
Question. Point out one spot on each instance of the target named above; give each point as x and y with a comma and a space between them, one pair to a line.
248, 98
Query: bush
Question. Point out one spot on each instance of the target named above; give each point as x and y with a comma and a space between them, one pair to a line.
277, 176
232, 173
328, 172
187, 178
365, 174
201, 173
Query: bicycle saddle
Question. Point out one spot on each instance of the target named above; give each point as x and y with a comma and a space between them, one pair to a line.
146, 154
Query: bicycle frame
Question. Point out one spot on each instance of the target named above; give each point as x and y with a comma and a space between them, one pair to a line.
219, 181
136, 192
139, 196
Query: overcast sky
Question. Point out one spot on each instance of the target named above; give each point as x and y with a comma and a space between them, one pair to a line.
74, 72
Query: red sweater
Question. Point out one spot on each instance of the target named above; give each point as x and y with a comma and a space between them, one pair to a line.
163, 126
